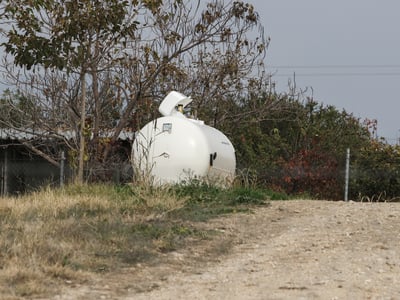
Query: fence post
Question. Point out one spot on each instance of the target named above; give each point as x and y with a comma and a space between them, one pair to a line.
346, 185
62, 168
4, 171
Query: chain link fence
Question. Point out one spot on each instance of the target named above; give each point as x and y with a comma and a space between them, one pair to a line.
21, 172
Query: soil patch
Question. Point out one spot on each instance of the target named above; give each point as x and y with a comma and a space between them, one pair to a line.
288, 250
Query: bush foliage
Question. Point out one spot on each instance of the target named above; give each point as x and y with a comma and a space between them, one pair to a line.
299, 146
375, 172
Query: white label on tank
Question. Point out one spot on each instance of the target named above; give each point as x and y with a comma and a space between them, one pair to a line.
167, 127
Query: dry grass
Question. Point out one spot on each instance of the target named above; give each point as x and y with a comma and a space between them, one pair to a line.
64, 235
53, 237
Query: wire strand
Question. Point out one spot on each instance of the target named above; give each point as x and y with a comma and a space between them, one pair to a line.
333, 66
336, 74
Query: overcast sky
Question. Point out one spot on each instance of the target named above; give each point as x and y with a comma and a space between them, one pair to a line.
348, 51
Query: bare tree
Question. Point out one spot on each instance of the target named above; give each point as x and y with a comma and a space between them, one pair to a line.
89, 75
73, 36
203, 50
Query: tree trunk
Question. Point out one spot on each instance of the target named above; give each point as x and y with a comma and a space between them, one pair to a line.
81, 160
97, 104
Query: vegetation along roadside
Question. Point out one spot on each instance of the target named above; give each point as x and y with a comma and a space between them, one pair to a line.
55, 236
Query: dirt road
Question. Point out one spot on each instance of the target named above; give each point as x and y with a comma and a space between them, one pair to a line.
288, 250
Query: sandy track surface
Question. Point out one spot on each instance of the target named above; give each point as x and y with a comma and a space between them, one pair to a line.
288, 250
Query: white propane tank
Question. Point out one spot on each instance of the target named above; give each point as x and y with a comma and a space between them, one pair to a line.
174, 147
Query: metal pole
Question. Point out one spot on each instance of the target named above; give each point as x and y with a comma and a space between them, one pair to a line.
346, 186
5, 173
62, 168
2, 177
5, 190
